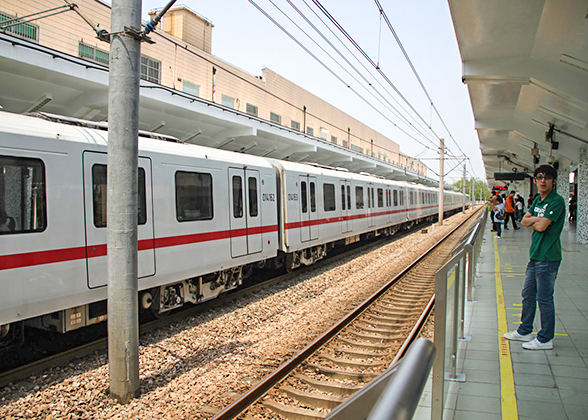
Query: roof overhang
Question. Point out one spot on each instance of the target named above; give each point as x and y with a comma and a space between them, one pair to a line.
526, 67
38, 78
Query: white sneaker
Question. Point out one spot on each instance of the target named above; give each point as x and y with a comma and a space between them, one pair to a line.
538, 345
515, 336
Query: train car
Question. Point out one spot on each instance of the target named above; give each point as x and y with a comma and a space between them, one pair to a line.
206, 217
321, 206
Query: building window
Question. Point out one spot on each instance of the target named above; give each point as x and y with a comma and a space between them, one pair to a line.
191, 88
251, 110
275, 118
150, 69
295, 125
193, 196
344, 143
310, 131
324, 133
92, 53
334, 139
28, 31
22, 193
228, 101
357, 148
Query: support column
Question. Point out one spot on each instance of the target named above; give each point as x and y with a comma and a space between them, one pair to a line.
563, 189
123, 125
582, 199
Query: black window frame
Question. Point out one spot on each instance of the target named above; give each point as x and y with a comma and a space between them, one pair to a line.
195, 197
9, 221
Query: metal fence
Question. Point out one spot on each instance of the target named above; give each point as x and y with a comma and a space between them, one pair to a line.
454, 283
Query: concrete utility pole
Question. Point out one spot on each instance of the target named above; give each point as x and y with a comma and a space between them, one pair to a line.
463, 190
441, 179
123, 124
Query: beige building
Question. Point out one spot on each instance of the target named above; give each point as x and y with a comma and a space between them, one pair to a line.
181, 59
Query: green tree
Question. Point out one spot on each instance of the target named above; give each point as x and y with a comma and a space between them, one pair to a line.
481, 189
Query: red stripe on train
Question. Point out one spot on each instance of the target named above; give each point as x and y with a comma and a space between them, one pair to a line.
28, 259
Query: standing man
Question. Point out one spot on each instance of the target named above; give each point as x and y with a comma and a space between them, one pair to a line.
509, 210
493, 202
546, 217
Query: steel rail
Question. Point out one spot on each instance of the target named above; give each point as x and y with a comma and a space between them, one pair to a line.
238, 406
100, 344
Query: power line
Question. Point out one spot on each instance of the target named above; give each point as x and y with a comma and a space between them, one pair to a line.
331, 71
409, 61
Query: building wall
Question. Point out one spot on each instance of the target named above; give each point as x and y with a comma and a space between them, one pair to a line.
185, 62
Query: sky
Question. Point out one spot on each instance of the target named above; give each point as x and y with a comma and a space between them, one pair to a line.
246, 38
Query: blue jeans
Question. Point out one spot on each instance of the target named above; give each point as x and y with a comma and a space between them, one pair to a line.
538, 288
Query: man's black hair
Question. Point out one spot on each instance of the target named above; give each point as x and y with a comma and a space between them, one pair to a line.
545, 170
513, 192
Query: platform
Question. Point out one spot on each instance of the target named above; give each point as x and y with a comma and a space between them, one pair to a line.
517, 383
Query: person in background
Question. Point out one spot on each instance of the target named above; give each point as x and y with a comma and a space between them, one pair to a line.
498, 217
492, 202
509, 209
545, 217
520, 207
573, 206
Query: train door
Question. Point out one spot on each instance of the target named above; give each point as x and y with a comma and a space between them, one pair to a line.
95, 193
345, 206
308, 210
371, 205
245, 217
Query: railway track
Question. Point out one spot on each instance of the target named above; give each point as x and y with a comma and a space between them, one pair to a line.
355, 350
79, 352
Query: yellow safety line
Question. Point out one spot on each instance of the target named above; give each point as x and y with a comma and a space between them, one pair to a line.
507, 387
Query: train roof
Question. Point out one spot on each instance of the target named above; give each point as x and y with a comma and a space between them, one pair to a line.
96, 134
316, 169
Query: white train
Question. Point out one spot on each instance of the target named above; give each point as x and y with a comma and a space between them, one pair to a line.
206, 218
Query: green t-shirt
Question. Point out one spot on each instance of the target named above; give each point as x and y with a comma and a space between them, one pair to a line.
546, 245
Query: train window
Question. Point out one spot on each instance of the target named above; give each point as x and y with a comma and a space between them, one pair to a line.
304, 197
312, 197
373, 202
359, 197
402, 197
23, 207
343, 197
395, 197
193, 196
380, 197
253, 210
349, 197
410, 198
329, 197
100, 193
237, 197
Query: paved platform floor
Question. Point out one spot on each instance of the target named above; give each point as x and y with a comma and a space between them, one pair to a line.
530, 384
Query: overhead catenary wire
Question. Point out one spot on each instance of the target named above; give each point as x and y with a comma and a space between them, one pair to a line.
409, 61
370, 84
331, 71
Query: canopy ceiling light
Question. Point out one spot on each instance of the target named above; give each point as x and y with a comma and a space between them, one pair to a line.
44, 100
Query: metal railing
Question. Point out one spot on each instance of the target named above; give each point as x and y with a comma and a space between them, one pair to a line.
454, 283
395, 394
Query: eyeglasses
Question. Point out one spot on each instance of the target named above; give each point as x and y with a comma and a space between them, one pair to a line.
541, 177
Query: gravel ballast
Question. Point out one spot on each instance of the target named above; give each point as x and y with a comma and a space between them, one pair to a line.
206, 361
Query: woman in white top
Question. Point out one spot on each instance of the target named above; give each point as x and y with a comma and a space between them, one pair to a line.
498, 217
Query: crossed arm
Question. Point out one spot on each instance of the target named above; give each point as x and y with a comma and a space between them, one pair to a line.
536, 223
